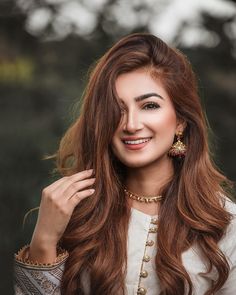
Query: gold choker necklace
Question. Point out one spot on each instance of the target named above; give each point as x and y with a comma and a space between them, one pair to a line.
142, 199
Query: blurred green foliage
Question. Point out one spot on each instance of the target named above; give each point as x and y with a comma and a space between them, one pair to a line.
20, 70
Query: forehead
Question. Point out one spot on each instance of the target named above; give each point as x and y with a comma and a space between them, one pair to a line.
138, 82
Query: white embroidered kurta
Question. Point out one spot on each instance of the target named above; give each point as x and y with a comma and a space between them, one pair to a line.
141, 277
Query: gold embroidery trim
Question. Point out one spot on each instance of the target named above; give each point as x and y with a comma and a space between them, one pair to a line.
23, 254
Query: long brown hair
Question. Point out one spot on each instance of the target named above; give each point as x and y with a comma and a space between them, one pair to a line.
192, 210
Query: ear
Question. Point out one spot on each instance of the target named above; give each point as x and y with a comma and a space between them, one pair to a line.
181, 125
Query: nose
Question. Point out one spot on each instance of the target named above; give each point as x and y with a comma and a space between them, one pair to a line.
132, 122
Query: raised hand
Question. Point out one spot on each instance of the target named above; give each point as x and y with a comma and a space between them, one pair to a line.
57, 205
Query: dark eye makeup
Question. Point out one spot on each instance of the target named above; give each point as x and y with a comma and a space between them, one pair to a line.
151, 106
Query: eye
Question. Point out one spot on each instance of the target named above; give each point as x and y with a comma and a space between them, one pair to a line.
151, 106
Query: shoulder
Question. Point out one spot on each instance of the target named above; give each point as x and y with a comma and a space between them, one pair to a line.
228, 242
229, 205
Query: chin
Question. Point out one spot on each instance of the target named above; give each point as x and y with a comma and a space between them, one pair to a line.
137, 163
141, 161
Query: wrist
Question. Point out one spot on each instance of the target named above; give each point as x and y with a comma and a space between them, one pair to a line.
42, 251
41, 254
43, 241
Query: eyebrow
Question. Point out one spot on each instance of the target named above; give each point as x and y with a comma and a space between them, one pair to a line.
144, 96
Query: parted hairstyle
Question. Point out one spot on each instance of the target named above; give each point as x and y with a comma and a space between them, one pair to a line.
192, 210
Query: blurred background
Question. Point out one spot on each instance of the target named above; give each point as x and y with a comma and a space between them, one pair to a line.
46, 49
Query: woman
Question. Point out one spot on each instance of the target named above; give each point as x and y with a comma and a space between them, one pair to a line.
141, 208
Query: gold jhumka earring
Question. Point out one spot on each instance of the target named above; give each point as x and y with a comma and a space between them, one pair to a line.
178, 148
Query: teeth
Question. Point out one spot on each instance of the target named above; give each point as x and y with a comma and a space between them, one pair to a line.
137, 141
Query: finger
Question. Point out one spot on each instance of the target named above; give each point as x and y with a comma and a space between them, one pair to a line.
79, 196
68, 179
75, 187
81, 175
56, 184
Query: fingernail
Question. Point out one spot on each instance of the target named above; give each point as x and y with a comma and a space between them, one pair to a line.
92, 190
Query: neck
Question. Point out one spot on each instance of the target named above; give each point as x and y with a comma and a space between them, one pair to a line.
149, 180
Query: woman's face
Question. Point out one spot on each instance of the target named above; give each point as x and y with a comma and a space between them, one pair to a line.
149, 123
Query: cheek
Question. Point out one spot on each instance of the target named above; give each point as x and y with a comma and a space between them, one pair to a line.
170, 119
116, 135
164, 121
116, 149
115, 141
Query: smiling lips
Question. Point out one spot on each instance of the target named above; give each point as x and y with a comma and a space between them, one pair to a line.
136, 143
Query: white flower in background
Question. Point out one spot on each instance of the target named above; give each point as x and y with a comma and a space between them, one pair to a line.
187, 17
176, 21
38, 20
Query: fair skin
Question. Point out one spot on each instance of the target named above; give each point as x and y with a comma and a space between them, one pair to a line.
148, 165
57, 205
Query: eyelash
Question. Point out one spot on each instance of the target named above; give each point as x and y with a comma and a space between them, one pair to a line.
123, 109
152, 104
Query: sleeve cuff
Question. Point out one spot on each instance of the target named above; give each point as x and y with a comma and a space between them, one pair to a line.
21, 257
